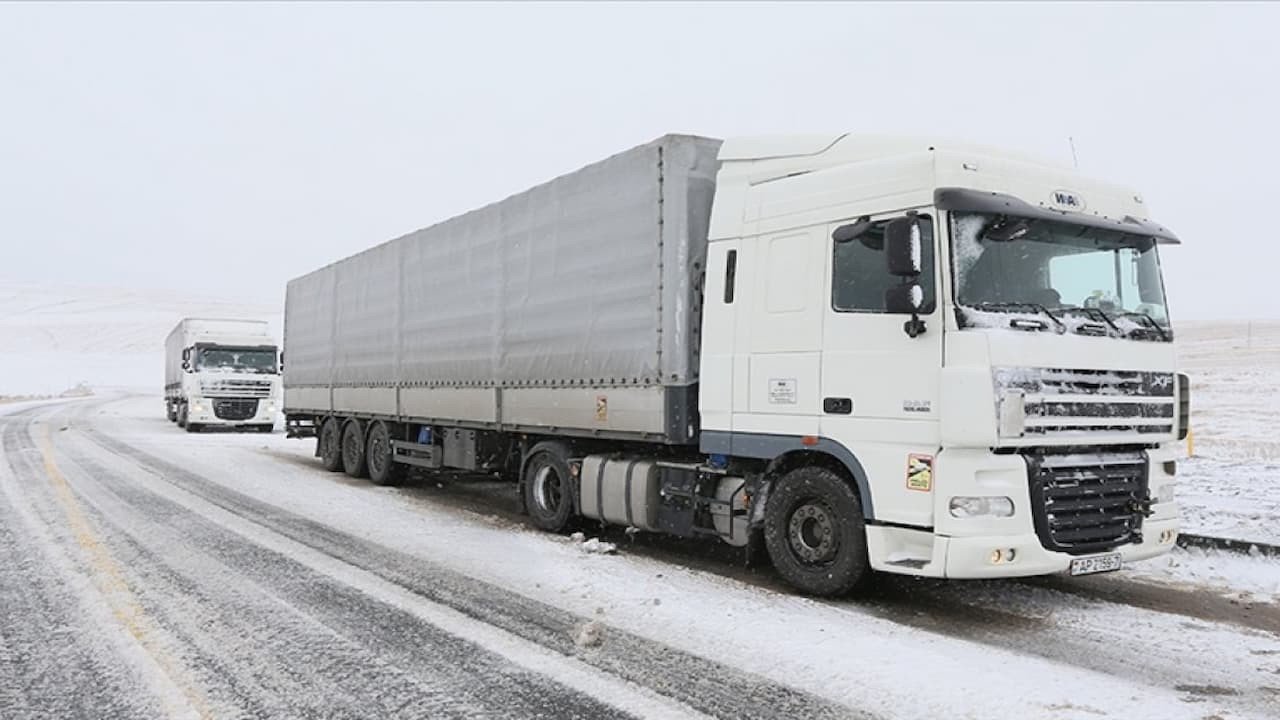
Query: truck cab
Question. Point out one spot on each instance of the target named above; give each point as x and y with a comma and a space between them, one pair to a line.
978, 342
222, 373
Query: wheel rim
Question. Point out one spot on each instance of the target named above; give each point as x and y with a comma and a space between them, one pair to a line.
351, 447
331, 444
811, 532
377, 446
547, 488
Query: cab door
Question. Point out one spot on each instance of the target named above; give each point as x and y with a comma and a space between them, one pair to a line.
879, 385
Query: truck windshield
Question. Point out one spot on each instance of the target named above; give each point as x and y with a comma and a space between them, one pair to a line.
231, 359
1056, 276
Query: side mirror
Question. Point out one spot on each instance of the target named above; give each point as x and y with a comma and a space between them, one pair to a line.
903, 247
905, 299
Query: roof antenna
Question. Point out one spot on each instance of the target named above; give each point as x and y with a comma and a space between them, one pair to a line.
1074, 160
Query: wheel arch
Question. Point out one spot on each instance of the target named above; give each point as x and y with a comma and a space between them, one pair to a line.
787, 452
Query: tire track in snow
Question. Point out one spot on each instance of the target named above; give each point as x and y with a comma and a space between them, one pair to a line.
704, 685
270, 636
56, 659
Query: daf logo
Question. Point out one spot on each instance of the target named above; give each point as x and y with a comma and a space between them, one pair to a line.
1067, 200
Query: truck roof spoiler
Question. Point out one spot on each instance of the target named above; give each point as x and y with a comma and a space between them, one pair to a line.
967, 200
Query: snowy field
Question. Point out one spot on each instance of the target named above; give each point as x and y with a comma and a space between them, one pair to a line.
1231, 486
55, 338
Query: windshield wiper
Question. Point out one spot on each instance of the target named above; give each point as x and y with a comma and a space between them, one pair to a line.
1150, 322
1095, 314
1014, 306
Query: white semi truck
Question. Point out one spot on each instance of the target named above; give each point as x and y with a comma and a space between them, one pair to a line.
221, 373
856, 353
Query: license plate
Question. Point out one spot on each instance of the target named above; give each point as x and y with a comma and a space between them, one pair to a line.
1096, 564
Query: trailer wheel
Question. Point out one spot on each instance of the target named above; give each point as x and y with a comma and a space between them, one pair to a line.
353, 450
170, 412
331, 444
379, 456
815, 532
548, 495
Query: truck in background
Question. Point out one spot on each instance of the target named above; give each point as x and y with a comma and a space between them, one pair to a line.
221, 373
856, 353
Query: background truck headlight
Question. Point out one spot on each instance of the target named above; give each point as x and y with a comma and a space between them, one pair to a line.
967, 507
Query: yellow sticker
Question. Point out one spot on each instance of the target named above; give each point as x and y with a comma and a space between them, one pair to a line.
920, 472
602, 408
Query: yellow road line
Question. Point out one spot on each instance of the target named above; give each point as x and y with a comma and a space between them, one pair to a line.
110, 579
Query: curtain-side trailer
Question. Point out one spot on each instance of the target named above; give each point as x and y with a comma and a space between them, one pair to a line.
859, 353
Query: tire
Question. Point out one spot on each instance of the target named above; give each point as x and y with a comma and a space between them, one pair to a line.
182, 416
379, 457
353, 450
331, 445
548, 492
815, 532
170, 412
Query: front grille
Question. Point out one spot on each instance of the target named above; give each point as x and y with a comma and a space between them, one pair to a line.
1066, 402
236, 388
1083, 503
237, 409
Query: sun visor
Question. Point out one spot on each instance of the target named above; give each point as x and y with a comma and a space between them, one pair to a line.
967, 200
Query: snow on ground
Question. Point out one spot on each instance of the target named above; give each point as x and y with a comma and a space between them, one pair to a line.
1231, 486
809, 644
53, 338
1252, 578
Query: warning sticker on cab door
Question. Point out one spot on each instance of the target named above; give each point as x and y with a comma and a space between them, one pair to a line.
920, 472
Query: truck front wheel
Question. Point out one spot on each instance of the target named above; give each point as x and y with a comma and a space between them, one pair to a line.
815, 532
331, 445
548, 495
353, 450
379, 456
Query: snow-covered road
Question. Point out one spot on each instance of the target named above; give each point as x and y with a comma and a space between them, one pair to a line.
146, 572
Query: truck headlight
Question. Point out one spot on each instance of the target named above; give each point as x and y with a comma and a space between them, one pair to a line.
968, 507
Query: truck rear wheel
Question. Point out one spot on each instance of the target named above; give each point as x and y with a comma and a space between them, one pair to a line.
331, 444
170, 411
548, 495
379, 456
353, 450
815, 532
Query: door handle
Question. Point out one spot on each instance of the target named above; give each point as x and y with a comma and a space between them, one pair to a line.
837, 405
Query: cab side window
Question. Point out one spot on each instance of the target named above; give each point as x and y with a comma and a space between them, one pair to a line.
860, 272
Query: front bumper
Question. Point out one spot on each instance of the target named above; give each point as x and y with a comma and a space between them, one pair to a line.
979, 547
200, 411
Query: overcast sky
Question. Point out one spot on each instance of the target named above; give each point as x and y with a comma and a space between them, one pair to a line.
227, 148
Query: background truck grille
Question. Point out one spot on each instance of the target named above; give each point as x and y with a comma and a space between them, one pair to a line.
235, 409
236, 388
1083, 503
1066, 402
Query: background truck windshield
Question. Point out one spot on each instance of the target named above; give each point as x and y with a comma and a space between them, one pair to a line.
1061, 270
230, 359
